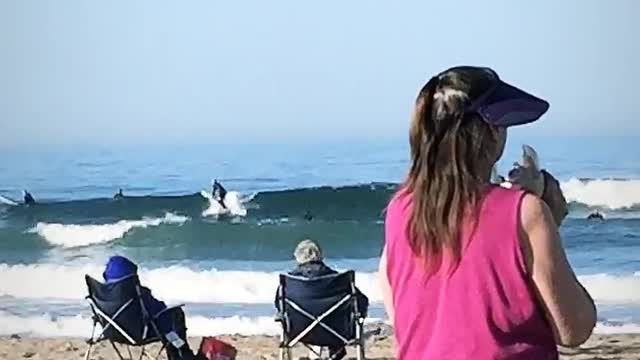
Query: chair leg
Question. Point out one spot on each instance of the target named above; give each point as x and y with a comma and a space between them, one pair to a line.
360, 351
360, 341
163, 347
90, 340
117, 350
285, 353
86, 355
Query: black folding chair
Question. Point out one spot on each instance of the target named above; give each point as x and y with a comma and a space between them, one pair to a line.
322, 311
119, 309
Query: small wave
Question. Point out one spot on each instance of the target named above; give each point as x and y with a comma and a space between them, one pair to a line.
183, 284
7, 201
607, 193
606, 288
343, 203
73, 235
175, 283
605, 328
362, 201
47, 325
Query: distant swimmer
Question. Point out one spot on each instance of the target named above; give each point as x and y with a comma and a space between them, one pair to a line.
308, 216
119, 195
28, 198
218, 192
597, 215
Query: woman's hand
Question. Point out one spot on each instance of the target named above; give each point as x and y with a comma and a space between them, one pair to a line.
541, 183
527, 175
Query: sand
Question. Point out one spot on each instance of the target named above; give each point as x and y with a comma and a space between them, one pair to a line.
619, 346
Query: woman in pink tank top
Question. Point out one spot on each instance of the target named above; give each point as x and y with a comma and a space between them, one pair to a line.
472, 270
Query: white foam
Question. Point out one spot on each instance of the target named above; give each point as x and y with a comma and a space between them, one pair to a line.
606, 329
175, 283
7, 201
233, 202
612, 194
183, 284
72, 235
606, 288
46, 325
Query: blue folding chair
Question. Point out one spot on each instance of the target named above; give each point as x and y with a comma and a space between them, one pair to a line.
121, 313
322, 311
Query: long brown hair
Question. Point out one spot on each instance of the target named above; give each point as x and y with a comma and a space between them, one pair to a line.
452, 153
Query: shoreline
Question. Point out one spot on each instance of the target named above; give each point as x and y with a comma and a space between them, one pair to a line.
614, 346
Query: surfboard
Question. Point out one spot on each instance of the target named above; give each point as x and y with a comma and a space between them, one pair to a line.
232, 201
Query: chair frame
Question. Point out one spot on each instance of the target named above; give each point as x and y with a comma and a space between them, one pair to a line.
99, 317
286, 344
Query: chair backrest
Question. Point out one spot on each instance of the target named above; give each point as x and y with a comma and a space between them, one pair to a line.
317, 296
118, 309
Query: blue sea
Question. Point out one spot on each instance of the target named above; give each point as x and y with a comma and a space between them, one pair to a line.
225, 268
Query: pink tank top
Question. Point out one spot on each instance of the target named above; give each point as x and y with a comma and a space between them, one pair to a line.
485, 309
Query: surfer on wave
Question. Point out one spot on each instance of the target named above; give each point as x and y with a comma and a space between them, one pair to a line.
28, 198
596, 215
119, 195
218, 192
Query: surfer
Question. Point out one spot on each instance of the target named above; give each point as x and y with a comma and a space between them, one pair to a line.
218, 192
118, 195
28, 198
307, 215
597, 215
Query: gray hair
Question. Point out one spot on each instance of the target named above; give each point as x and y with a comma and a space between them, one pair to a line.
307, 251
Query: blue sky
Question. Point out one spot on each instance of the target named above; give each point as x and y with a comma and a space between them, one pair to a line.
112, 72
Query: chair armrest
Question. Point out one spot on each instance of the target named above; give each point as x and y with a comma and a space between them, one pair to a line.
170, 308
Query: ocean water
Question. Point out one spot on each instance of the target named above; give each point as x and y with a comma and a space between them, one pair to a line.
225, 270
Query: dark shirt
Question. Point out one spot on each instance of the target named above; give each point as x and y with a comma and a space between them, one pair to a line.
312, 269
28, 199
219, 191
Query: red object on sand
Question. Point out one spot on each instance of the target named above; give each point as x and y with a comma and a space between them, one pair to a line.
214, 349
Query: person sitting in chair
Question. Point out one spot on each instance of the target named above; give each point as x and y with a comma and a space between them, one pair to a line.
119, 267
310, 264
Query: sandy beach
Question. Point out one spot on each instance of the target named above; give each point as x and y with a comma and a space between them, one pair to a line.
619, 346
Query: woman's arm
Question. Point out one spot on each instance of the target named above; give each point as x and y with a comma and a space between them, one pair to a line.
569, 307
385, 288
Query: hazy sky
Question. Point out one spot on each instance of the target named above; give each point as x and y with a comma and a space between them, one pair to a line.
215, 71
